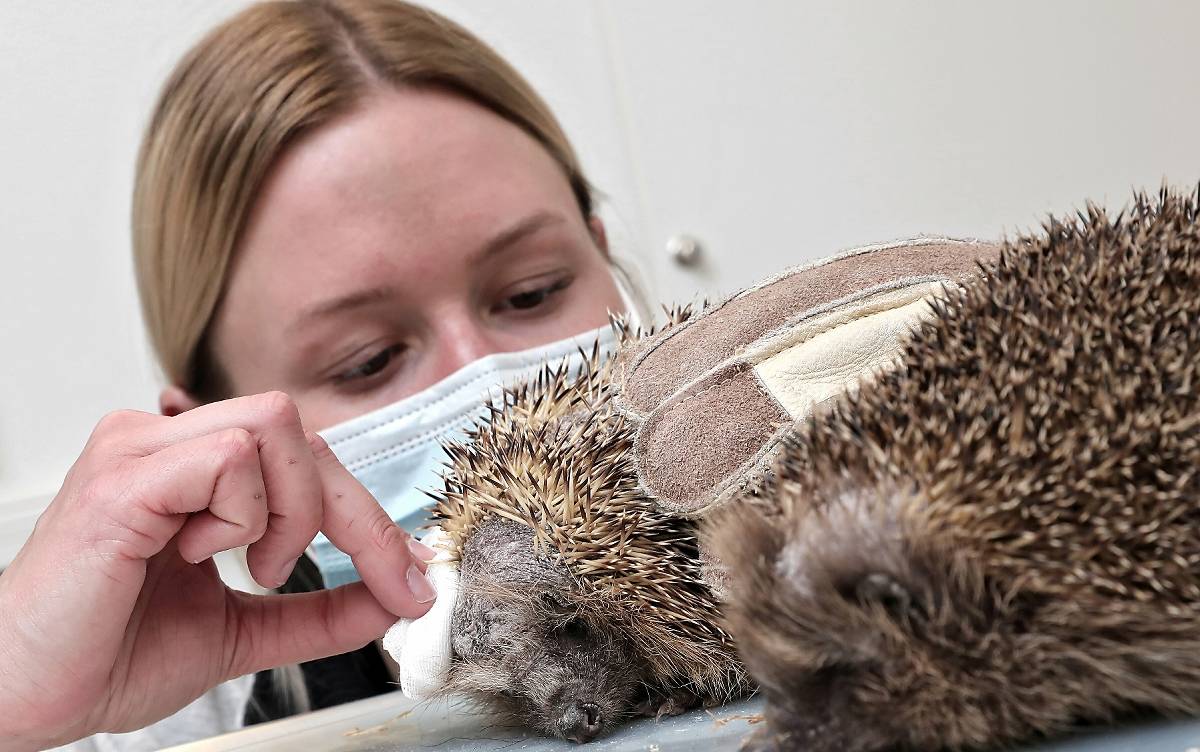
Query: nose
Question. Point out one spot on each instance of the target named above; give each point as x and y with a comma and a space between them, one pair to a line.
581, 722
463, 340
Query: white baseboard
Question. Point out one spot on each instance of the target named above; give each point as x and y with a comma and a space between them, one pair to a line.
17, 518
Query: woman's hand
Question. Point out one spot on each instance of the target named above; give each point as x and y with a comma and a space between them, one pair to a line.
112, 615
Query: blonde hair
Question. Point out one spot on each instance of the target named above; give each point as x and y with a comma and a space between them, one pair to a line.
235, 102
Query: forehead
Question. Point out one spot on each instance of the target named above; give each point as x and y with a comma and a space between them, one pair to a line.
411, 178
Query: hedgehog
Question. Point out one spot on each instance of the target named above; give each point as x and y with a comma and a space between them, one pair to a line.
581, 603
999, 540
574, 508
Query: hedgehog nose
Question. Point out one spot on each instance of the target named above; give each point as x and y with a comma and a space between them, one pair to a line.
581, 721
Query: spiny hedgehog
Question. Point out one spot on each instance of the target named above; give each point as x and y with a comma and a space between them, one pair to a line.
580, 602
574, 507
1001, 538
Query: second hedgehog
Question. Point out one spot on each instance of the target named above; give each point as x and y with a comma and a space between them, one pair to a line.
999, 539
581, 602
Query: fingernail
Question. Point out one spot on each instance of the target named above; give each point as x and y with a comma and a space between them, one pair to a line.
419, 585
286, 572
420, 550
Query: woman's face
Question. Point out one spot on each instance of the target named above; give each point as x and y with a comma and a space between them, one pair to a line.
398, 243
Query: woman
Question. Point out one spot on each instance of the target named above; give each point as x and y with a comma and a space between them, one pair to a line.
339, 204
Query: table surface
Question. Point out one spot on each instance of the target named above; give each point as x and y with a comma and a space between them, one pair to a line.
392, 723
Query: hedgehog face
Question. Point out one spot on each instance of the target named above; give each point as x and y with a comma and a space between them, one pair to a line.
524, 647
581, 600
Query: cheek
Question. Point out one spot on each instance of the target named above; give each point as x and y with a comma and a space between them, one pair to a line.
596, 296
320, 409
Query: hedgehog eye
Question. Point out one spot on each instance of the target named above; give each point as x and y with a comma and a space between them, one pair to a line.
573, 629
886, 591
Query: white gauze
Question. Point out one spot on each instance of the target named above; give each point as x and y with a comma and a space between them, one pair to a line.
422, 646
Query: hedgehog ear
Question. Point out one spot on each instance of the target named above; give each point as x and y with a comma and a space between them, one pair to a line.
555, 602
501, 551
471, 624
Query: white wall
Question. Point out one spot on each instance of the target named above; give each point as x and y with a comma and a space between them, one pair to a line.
77, 81
776, 131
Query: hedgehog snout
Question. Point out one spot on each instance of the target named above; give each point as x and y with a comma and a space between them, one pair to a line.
581, 721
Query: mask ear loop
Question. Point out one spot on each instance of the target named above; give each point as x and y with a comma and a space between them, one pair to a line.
637, 313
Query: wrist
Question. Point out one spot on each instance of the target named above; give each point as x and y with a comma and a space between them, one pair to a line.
25, 722
18, 734
12, 743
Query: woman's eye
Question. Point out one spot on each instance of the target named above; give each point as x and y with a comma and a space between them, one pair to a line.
528, 299
373, 365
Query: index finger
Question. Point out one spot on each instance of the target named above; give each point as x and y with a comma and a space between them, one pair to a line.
379, 548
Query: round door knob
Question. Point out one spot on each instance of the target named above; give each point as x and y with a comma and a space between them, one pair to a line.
684, 249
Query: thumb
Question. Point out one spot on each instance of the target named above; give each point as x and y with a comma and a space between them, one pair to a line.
274, 630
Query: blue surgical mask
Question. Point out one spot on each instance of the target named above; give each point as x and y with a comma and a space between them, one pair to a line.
396, 451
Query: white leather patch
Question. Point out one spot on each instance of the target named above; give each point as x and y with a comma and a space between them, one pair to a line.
822, 357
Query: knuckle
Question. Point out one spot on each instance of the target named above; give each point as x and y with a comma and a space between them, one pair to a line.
237, 444
383, 533
279, 408
100, 489
118, 420
94, 489
116, 425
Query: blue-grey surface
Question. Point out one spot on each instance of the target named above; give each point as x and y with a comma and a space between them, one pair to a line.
392, 724
444, 728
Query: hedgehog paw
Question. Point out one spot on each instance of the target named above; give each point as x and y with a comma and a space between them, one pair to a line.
677, 703
672, 703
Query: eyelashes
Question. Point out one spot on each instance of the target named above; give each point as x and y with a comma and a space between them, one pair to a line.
530, 299
522, 303
373, 365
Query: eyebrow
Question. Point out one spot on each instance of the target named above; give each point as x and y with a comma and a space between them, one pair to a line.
499, 243
342, 303
523, 228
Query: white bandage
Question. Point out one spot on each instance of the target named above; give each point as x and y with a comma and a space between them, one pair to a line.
422, 646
